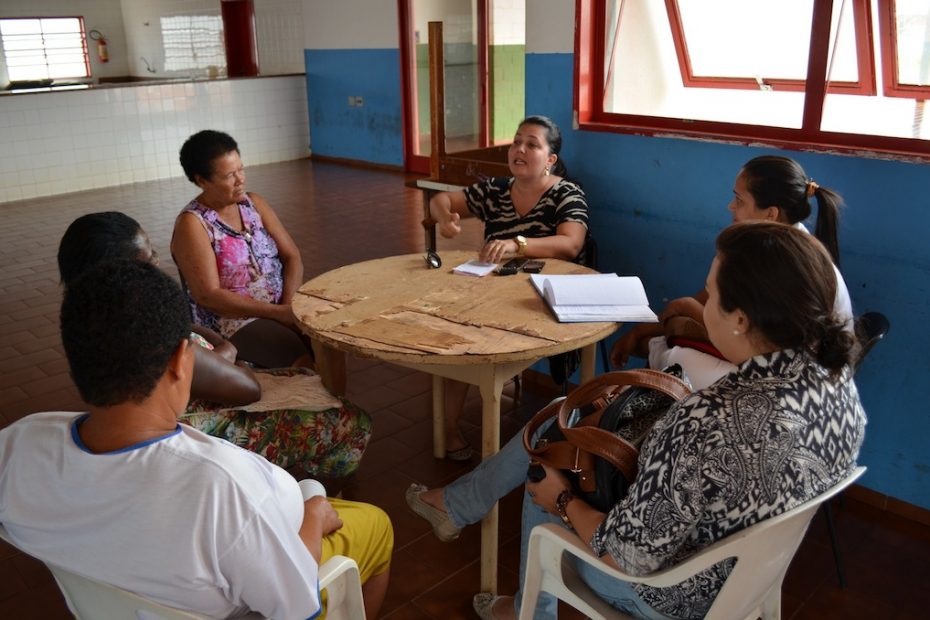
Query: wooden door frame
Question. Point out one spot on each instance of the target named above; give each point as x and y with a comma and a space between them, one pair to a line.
409, 115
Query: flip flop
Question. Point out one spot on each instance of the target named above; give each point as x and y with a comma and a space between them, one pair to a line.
464, 453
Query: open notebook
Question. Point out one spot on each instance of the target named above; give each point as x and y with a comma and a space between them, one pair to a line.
595, 297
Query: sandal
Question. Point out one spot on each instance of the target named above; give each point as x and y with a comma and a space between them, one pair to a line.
483, 603
465, 453
443, 527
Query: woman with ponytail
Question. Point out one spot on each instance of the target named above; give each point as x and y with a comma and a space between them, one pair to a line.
768, 188
781, 192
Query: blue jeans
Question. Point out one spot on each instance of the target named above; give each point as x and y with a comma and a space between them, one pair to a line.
472, 496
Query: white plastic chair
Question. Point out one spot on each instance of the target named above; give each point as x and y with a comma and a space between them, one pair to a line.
753, 589
90, 599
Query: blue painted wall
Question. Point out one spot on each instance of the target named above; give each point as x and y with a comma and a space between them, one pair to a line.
658, 203
371, 133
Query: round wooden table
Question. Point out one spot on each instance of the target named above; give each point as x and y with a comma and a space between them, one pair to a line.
481, 331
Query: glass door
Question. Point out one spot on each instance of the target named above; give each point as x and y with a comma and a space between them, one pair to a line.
483, 82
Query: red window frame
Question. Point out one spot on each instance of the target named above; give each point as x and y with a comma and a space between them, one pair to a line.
862, 24
590, 22
888, 35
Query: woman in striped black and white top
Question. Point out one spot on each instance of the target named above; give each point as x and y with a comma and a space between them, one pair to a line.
536, 213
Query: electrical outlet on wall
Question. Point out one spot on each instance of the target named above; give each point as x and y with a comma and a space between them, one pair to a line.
359, 101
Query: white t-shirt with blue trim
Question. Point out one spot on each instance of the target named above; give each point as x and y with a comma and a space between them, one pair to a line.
187, 520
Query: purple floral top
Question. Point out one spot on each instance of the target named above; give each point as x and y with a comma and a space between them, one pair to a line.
247, 263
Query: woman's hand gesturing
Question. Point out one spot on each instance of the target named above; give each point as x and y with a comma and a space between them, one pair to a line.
450, 226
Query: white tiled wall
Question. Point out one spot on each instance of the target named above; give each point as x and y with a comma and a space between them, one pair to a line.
279, 32
61, 142
508, 22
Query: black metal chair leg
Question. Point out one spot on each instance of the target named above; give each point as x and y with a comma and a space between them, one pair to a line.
605, 358
837, 559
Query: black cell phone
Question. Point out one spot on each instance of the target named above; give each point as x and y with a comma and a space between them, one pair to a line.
511, 267
533, 266
535, 472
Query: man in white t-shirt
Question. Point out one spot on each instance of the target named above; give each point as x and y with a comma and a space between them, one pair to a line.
126, 495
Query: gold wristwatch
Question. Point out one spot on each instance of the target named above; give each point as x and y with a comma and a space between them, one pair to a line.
521, 244
561, 504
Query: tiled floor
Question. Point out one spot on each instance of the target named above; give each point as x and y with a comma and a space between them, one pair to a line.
339, 215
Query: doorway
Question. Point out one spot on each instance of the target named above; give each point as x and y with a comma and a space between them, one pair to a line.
484, 47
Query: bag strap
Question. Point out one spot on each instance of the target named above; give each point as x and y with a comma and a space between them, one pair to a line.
611, 381
616, 450
531, 427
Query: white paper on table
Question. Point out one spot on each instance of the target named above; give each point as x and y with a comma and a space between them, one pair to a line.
475, 267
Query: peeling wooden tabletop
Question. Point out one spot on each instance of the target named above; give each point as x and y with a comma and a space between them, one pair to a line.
396, 309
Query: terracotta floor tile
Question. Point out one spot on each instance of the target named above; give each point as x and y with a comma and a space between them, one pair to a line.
41, 603
410, 611
330, 211
11, 582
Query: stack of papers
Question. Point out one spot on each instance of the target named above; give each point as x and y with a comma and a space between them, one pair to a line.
595, 297
475, 268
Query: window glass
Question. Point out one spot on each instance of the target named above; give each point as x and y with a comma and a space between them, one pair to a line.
912, 27
727, 37
892, 112
44, 48
644, 76
738, 69
193, 42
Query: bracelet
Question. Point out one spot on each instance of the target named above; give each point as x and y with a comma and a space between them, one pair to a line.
561, 504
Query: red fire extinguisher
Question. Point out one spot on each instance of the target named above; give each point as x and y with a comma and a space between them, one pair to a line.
102, 53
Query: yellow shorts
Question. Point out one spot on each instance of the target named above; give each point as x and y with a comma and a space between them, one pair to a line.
366, 536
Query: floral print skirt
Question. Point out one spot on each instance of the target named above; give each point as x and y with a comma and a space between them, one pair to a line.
328, 443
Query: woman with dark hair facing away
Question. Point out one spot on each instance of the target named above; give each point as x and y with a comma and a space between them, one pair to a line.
783, 428
298, 425
536, 213
131, 498
768, 188
239, 266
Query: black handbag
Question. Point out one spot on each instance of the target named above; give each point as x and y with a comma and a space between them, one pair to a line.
599, 429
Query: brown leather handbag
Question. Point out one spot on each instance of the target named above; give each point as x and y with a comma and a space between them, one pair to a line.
599, 428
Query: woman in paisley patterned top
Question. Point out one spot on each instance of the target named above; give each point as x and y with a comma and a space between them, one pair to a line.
536, 213
785, 426
239, 266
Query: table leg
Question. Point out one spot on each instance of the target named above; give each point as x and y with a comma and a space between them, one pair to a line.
491, 386
439, 417
331, 366
588, 362
429, 225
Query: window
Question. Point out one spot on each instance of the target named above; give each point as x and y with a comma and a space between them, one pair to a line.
193, 42
790, 73
705, 62
905, 28
44, 48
